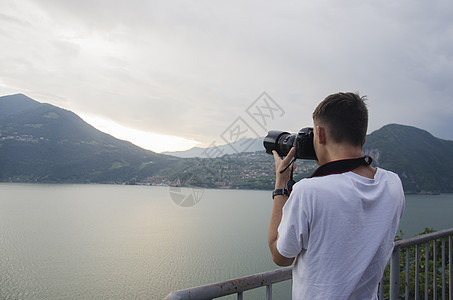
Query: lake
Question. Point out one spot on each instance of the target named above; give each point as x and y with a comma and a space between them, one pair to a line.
122, 242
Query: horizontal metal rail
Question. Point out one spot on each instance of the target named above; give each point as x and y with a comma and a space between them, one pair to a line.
235, 286
267, 279
421, 239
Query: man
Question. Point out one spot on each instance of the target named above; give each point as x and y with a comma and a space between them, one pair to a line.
338, 228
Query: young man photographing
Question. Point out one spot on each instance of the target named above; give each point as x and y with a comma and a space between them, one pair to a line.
338, 228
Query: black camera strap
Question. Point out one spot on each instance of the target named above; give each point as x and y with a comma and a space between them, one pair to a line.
341, 166
291, 182
333, 167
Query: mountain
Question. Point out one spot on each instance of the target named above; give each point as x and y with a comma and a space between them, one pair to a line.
43, 143
423, 162
253, 145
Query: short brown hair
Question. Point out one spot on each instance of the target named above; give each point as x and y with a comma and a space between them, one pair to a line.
345, 115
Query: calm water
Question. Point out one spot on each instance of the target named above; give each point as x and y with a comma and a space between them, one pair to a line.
122, 242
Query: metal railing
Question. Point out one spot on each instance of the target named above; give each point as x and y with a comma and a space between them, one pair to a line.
235, 286
409, 272
401, 275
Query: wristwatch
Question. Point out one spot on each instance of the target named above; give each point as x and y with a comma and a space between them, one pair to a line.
277, 192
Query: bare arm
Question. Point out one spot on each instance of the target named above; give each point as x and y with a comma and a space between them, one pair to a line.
279, 201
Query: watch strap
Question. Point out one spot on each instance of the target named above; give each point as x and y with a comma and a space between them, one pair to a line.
278, 192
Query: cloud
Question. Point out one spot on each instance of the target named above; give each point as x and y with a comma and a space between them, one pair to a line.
189, 69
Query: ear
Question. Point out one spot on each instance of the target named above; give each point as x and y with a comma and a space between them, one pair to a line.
321, 134
364, 140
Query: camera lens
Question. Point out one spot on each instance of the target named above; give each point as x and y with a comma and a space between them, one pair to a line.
279, 141
282, 142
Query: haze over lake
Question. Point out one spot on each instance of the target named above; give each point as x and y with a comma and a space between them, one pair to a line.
112, 241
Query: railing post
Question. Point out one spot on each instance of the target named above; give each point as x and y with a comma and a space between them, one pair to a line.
450, 268
426, 269
443, 270
407, 275
395, 274
269, 292
434, 270
417, 267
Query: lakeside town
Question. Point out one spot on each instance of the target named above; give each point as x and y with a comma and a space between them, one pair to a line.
255, 170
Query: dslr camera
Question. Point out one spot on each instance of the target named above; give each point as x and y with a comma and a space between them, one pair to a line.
282, 142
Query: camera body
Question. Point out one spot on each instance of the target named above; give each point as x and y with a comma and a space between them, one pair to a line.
282, 142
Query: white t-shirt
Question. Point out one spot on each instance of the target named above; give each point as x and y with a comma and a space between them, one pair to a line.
341, 228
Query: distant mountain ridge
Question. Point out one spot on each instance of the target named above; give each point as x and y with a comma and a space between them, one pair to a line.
253, 146
43, 143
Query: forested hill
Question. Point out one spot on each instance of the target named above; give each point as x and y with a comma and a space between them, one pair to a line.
423, 162
43, 143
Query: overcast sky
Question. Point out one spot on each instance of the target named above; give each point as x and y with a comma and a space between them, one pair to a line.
193, 71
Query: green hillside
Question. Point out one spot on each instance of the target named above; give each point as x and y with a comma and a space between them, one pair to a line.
43, 143
423, 162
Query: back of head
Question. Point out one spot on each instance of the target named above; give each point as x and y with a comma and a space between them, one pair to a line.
346, 117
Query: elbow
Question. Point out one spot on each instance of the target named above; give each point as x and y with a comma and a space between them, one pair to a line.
282, 261
277, 258
283, 264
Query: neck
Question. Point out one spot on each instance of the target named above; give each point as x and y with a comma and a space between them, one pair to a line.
339, 152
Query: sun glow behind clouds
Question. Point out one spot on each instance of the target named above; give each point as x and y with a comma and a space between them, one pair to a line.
147, 140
